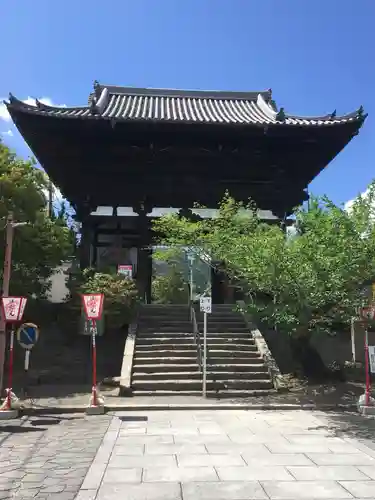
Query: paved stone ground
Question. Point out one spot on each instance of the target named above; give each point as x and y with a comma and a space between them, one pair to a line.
233, 455
47, 457
170, 455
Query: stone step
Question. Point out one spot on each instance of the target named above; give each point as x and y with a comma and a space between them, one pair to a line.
139, 348
213, 339
178, 326
244, 368
164, 311
173, 359
166, 375
166, 367
239, 393
231, 347
173, 384
210, 394
228, 378
162, 353
166, 308
222, 319
224, 329
231, 336
233, 375
239, 384
169, 306
165, 329
183, 339
176, 335
220, 310
213, 318
164, 322
251, 358
176, 392
178, 313
223, 352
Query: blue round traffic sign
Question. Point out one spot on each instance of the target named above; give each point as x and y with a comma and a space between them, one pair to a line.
27, 335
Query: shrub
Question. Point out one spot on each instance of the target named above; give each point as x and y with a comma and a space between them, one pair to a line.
120, 295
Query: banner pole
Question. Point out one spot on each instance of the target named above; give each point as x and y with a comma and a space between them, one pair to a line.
94, 388
10, 370
367, 368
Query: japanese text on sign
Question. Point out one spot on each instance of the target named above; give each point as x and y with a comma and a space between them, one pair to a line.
13, 308
93, 305
206, 304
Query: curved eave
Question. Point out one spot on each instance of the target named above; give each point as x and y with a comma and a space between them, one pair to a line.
211, 113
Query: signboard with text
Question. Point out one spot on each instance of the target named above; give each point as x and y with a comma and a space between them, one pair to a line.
13, 308
206, 305
93, 305
371, 355
126, 271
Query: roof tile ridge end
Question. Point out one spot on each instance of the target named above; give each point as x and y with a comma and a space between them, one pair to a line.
358, 114
14, 101
100, 101
266, 108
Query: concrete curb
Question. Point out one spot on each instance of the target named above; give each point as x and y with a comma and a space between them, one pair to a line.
127, 361
190, 406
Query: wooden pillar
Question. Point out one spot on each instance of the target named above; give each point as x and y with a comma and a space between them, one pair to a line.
144, 264
86, 237
95, 245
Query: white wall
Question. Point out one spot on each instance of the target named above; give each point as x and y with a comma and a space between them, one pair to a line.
58, 289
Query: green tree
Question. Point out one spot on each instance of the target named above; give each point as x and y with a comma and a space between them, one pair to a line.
170, 288
303, 283
41, 244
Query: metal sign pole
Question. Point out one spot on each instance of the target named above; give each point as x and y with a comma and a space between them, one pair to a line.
10, 370
191, 283
204, 353
94, 385
26, 372
352, 334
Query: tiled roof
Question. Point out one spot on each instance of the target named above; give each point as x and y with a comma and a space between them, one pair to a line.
181, 106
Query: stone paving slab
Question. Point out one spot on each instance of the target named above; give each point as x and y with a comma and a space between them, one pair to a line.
335, 473
280, 490
141, 491
223, 491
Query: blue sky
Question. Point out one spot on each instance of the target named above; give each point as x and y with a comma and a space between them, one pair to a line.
316, 56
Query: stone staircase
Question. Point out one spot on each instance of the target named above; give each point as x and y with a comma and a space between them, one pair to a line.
166, 359
234, 365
